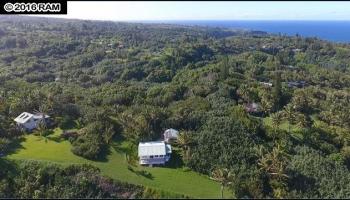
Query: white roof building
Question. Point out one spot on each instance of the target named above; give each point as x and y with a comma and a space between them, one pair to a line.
156, 152
29, 121
153, 148
24, 118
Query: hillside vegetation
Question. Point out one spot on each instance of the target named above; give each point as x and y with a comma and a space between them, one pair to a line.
265, 116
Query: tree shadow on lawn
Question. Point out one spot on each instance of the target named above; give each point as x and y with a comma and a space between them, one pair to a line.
47, 136
56, 138
142, 173
15, 146
46, 139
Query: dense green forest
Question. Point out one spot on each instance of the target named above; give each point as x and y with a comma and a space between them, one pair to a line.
130, 81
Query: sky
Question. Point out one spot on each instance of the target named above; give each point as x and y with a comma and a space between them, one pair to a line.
207, 10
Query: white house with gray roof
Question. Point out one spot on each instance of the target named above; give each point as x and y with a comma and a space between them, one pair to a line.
29, 121
154, 153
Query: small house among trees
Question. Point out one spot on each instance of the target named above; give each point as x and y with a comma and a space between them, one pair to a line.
154, 153
170, 134
29, 121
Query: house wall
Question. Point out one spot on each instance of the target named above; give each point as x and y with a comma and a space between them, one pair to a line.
30, 124
146, 160
169, 136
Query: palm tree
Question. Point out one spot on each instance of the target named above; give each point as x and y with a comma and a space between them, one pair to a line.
343, 134
50, 101
327, 117
43, 110
224, 68
303, 120
185, 141
79, 123
41, 129
277, 87
274, 163
224, 177
276, 120
108, 134
42, 123
245, 93
130, 160
266, 104
289, 114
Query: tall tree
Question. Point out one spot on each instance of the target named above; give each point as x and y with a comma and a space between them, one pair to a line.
108, 134
224, 177
185, 141
245, 93
266, 102
224, 68
303, 120
276, 119
277, 87
274, 164
289, 115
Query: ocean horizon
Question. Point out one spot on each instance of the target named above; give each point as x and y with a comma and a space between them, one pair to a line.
334, 31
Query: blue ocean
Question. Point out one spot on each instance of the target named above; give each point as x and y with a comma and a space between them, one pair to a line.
336, 31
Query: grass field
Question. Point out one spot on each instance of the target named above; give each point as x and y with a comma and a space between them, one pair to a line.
296, 131
174, 180
284, 125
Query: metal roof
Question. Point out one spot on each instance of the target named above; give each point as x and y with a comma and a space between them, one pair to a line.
153, 148
24, 117
171, 133
39, 116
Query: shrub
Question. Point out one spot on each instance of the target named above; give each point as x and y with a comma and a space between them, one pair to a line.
4, 144
88, 146
54, 181
159, 76
66, 123
150, 193
69, 135
186, 169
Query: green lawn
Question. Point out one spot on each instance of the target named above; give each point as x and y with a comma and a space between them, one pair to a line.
172, 180
284, 125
